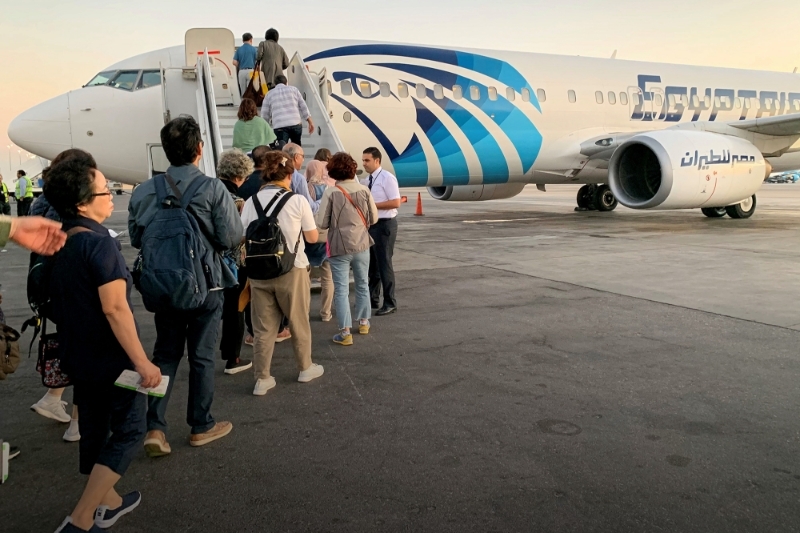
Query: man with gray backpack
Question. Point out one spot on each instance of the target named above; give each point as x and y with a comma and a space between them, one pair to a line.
181, 221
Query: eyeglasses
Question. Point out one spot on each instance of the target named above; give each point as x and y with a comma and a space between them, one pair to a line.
107, 193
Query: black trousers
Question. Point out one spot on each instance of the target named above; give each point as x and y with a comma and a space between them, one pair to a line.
230, 345
381, 270
289, 134
5, 208
24, 206
112, 425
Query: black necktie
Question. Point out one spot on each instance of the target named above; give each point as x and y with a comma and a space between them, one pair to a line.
371, 177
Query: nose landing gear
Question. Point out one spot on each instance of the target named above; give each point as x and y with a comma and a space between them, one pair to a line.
596, 198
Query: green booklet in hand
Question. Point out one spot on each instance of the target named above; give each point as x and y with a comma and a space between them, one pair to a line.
132, 380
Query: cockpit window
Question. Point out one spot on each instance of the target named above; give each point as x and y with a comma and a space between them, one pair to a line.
150, 78
126, 79
101, 79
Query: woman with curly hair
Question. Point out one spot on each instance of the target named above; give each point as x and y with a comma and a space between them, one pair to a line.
234, 167
251, 130
347, 211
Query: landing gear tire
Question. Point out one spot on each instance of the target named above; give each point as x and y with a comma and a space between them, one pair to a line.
584, 198
714, 212
604, 199
743, 209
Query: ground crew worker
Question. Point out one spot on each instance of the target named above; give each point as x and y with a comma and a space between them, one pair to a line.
24, 193
5, 206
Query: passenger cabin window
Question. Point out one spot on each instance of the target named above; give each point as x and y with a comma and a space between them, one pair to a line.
492, 93
796, 105
347, 87
385, 91
717, 102
422, 91
707, 101
511, 94
101, 79
695, 101
658, 101
402, 90
572, 96
747, 103
738, 103
612, 97
636, 98
623, 98
438, 92
458, 92
366, 88
474, 92
598, 96
150, 78
125, 80
540, 94
526, 95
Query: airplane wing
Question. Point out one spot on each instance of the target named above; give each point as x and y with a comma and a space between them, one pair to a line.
777, 126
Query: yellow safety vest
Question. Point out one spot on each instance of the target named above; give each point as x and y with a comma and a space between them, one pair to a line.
5, 192
28, 188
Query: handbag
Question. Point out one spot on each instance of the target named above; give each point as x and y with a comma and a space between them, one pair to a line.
256, 90
9, 350
48, 362
350, 199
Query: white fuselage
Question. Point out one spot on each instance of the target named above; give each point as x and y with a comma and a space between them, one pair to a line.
441, 116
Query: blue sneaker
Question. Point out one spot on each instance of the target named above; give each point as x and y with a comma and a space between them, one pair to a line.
345, 339
105, 517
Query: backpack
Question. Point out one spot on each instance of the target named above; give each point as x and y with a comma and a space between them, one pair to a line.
266, 253
175, 264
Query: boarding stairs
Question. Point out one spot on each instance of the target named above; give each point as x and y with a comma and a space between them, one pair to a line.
207, 89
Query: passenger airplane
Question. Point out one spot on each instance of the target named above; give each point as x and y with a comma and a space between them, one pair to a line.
466, 124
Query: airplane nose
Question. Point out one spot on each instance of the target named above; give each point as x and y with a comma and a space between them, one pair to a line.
44, 129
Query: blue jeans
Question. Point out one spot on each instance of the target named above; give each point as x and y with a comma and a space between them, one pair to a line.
340, 268
200, 327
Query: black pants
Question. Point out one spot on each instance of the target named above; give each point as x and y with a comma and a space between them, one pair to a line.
5, 208
24, 206
112, 425
381, 271
289, 134
232, 322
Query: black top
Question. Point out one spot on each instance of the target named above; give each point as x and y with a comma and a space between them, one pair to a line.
89, 349
251, 185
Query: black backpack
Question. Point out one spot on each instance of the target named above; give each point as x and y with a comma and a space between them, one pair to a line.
266, 253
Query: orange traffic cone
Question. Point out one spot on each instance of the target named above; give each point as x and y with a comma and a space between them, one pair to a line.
419, 212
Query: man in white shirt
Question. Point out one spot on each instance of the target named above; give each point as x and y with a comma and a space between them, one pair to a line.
289, 294
386, 193
285, 109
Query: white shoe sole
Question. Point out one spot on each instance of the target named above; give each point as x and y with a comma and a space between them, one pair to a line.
71, 438
262, 392
153, 448
47, 414
232, 371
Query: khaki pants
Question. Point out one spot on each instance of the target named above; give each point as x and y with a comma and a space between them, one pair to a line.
290, 296
326, 292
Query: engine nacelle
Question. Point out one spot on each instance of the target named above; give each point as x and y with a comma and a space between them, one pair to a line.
475, 193
676, 169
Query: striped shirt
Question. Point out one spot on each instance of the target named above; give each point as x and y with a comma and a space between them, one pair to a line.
284, 106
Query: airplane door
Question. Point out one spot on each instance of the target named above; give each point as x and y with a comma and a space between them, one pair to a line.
636, 103
658, 104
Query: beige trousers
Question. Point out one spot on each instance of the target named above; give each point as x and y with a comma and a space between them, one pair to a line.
326, 291
288, 295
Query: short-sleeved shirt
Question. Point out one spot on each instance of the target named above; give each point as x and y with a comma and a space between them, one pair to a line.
295, 216
90, 259
384, 188
246, 56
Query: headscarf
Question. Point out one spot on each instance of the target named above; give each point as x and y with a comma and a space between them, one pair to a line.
317, 174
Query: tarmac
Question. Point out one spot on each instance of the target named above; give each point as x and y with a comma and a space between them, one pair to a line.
547, 370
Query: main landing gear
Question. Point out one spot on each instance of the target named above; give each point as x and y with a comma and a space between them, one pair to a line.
596, 198
744, 209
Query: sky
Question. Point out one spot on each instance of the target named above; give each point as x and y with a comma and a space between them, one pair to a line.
49, 47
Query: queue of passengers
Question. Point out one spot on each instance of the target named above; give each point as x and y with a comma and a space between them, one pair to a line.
90, 290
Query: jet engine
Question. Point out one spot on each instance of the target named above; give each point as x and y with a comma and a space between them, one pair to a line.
474, 193
675, 169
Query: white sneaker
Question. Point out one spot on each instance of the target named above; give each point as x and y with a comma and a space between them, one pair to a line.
312, 372
263, 385
52, 409
72, 434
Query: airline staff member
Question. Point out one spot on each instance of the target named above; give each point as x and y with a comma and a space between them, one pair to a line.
5, 206
386, 193
24, 193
